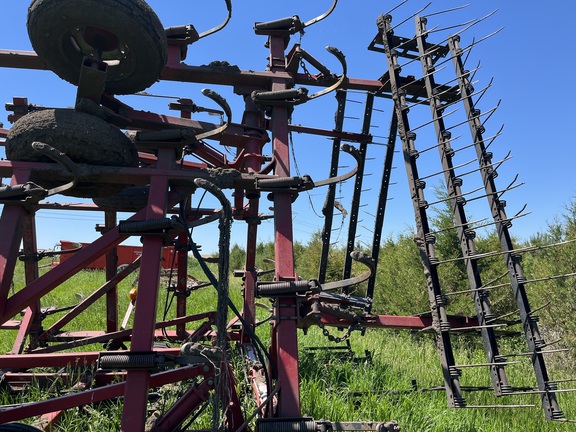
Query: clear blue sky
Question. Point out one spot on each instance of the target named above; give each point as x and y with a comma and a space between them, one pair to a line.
532, 62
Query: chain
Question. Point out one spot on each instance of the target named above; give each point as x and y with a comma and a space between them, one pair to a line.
303, 66
337, 339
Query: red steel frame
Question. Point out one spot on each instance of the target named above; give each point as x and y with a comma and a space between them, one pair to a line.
18, 220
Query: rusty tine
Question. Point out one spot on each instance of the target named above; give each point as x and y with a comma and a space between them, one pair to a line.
396, 7
511, 186
423, 76
446, 10
470, 225
477, 116
565, 275
456, 150
484, 90
221, 25
411, 16
436, 29
321, 17
432, 121
439, 144
491, 112
455, 167
481, 91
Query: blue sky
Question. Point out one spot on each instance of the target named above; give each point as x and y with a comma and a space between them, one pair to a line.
531, 61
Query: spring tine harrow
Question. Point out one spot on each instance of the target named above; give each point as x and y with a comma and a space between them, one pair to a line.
191, 356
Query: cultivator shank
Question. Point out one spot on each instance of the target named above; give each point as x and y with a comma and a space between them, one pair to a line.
157, 167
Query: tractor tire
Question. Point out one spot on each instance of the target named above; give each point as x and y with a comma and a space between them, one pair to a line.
131, 199
128, 33
18, 427
84, 138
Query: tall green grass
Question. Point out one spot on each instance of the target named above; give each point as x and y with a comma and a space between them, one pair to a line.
332, 387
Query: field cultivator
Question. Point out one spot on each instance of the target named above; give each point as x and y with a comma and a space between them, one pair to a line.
152, 166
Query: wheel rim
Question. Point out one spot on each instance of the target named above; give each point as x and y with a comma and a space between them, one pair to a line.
99, 43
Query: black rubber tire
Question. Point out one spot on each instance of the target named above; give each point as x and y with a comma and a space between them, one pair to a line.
84, 138
63, 32
17, 427
132, 199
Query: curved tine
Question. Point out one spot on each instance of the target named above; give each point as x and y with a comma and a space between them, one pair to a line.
436, 30
469, 47
412, 16
222, 25
224, 105
493, 138
360, 257
483, 91
511, 186
447, 10
321, 17
62, 159
408, 84
433, 120
342, 59
355, 153
477, 21
406, 42
465, 59
500, 162
491, 112
395, 7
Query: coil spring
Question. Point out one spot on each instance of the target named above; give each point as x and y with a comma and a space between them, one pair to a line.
459, 402
128, 361
273, 289
144, 225
280, 182
288, 426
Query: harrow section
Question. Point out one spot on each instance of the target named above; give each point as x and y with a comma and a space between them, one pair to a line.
152, 167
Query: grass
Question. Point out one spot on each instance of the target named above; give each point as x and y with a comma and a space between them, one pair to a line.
332, 387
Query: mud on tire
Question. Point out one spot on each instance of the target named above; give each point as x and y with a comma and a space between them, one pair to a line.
85, 139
